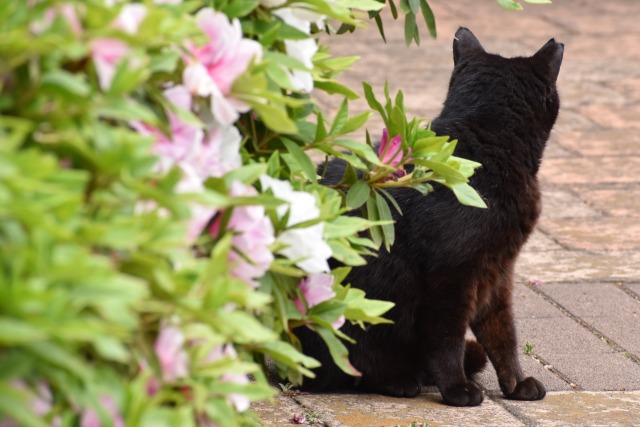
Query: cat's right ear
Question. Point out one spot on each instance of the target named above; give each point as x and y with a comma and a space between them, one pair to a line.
551, 53
464, 43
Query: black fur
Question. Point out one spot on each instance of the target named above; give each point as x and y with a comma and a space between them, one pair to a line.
451, 266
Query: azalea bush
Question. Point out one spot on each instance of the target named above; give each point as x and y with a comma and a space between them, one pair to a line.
163, 228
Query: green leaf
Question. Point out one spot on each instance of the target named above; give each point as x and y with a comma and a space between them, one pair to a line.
356, 122
468, 196
380, 27
429, 18
14, 331
332, 87
72, 84
308, 168
345, 226
451, 175
373, 215
358, 195
338, 351
285, 353
275, 118
510, 4
373, 102
246, 174
18, 405
410, 28
384, 213
365, 310
414, 5
237, 9
340, 119
126, 110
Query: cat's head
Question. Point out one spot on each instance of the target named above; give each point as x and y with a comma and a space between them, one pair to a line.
490, 86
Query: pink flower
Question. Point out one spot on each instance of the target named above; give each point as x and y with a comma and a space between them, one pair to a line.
67, 11
390, 152
130, 17
107, 53
40, 403
171, 354
315, 289
251, 255
240, 401
214, 67
90, 417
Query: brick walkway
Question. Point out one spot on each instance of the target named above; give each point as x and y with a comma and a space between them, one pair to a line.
583, 320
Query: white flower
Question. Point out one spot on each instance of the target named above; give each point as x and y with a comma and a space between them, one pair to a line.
302, 50
304, 245
130, 17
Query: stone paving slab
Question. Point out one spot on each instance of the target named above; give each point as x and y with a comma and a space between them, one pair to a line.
370, 410
595, 234
565, 266
604, 306
582, 409
278, 411
616, 202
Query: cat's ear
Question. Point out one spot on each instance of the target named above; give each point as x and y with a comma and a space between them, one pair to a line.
551, 54
465, 43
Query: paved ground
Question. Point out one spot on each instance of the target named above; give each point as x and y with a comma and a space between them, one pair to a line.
583, 318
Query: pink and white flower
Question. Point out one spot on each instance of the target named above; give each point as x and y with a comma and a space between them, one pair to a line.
40, 403
90, 417
169, 348
130, 17
213, 68
198, 155
390, 151
107, 54
251, 255
305, 245
240, 401
303, 50
315, 289
67, 11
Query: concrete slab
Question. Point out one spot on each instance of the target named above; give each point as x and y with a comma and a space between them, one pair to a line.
369, 410
279, 411
566, 266
582, 409
604, 306
581, 170
539, 242
595, 371
594, 234
599, 142
565, 204
616, 202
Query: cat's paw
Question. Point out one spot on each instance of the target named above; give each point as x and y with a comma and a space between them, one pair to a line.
528, 389
462, 395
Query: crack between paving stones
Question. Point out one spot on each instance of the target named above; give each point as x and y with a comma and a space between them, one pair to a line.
608, 341
620, 285
497, 398
558, 373
306, 409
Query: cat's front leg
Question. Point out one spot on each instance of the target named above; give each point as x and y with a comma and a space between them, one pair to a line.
496, 332
444, 347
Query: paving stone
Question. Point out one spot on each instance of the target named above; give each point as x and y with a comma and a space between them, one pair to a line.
600, 142
538, 241
369, 410
565, 204
559, 336
605, 307
572, 120
635, 287
590, 170
593, 372
566, 266
580, 92
278, 411
594, 234
617, 202
530, 305
582, 409
612, 116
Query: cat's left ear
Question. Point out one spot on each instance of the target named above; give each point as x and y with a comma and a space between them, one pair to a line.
465, 43
551, 54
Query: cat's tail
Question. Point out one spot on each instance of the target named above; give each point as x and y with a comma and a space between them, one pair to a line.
475, 359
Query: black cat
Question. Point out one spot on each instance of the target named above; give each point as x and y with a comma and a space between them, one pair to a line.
451, 266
